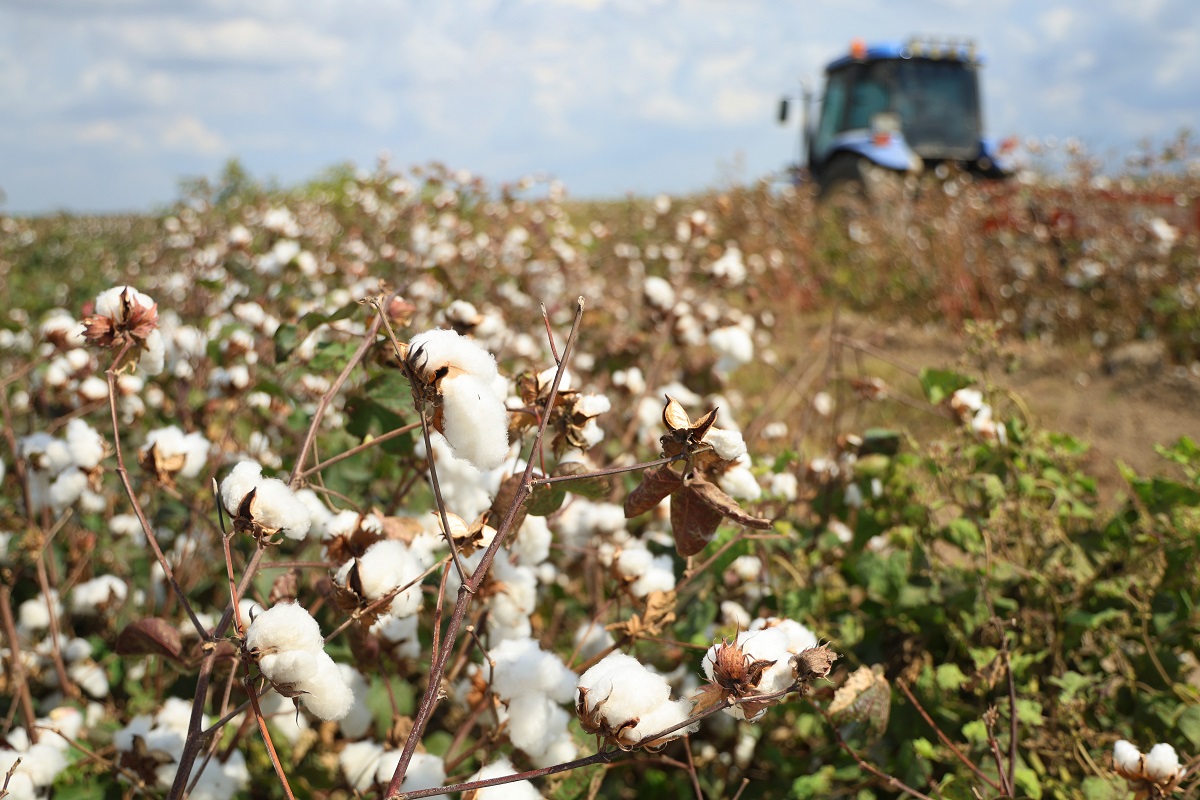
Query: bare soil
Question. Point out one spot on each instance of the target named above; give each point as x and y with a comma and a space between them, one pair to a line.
1121, 403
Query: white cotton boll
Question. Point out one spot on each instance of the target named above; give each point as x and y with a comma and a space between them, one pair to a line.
535, 723
283, 627
85, 443
76, 649
90, 677
739, 482
400, 633
34, 613
318, 513
20, 787
1162, 763
357, 720
222, 780
384, 566
523, 667
591, 639
1126, 756
665, 715
154, 353
532, 543
658, 292
425, 771
442, 347
517, 790
623, 688
783, 484
659, 577
633, 560
275, 506
109, 303
67, 488
359, 762
729, 445
475, 421
239, 483
735, 614
90, 597
289, 666
42, 763
734, 347
326, 694
798, 636
747, 568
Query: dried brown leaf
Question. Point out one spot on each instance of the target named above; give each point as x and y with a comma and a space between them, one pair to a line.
657, 483
150, 636
693, 521
725, 505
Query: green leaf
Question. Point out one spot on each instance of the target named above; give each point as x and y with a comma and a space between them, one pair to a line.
949, 676
545, 499
1189, 725
1097, 788
1089, 620
939, 384
924, 748
1027, 779
1071, 683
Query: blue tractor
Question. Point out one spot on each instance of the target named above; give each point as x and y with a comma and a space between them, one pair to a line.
897, 109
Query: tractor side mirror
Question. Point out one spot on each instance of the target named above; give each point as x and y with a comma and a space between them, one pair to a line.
783, 110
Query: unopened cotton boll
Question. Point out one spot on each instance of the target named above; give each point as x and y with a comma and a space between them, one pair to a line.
475, 421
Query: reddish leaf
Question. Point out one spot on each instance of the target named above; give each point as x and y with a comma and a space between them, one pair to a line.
725, 505
693, 521
150, 637
657, 483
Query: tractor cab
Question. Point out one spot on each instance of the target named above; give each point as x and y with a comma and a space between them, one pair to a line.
901, 107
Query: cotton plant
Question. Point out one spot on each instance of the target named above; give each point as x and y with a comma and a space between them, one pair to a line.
126, 320
169, 453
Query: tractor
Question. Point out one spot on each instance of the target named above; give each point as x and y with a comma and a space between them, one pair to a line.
895, 110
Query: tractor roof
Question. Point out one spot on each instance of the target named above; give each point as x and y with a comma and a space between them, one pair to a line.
914, 47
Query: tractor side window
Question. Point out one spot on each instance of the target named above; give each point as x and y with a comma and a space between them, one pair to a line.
833, 109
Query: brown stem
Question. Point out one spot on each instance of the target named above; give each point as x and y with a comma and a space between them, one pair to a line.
600, 473
971, 765
123, 473
262, 727
311, 436
60, 668
16, 663
433, 691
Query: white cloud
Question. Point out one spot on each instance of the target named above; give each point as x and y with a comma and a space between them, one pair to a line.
189, 135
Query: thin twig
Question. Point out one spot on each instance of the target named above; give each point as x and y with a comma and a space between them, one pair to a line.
359, 448
946, 739
262, 727
600, 473
17, 663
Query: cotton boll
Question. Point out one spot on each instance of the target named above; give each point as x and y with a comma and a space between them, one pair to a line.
280, 712
1126, 756
290, 667
90, 677
359, 762
276, 506
1162, 763
441, 347
517, 790
68, 487
663, 716
658, 577
535, 724
34, 614
591, 639
727, 444
400, 633
239, 483
522, 667
798, 636
532, 542
623, 688
284, 627
358, 719
425, 771
85, 444
384, 566
326, 694
739, 482
91, 597
475, 421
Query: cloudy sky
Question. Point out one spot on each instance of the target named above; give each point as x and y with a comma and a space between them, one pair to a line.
108, 103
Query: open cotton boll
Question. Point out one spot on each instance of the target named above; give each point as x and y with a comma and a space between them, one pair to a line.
1162, 763
798, 637
357, 720
91, 597
523, 667
475, 422
67, 488
326, 694
111, 304
275, 506
658, 577
734, 348
729, 445
591, 639
536, 723
517, 790
85, 443
238, 483
359, 762
1126, 756
665, 715
384, 566
442, 347
284, 627
623, 688
425, 771
289, 667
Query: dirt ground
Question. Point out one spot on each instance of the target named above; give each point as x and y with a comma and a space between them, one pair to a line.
1121, 403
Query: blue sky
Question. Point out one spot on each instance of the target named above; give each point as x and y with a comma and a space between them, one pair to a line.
108, 103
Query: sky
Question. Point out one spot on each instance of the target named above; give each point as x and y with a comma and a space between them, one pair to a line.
108, 104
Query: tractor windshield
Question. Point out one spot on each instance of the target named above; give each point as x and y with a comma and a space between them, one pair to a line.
938, 104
